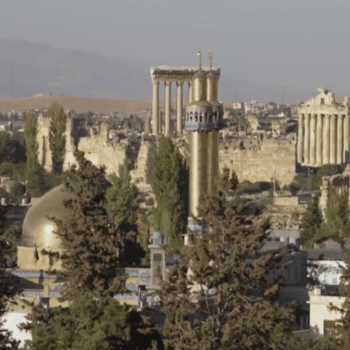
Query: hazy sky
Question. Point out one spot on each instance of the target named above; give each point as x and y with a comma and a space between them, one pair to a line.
294, 45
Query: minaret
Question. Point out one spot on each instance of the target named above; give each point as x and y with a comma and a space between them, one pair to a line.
199, 122
213, 136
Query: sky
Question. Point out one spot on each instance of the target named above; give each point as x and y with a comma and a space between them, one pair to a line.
290, 46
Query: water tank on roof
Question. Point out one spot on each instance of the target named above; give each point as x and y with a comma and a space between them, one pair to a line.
157, 238
292, 240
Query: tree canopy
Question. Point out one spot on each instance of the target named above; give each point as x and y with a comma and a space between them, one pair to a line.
9, 288
90, 239
123, 204
219, 297
311, 223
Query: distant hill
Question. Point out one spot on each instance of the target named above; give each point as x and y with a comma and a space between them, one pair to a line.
27, 69
43, 101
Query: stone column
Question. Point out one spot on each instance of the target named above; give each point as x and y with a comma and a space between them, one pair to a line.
301, 139
307, 140
189, 91
333, 139
340, 139
346, 139
325, 157
179, 108
319, 140
167, 107
155, 108
313, 139
160, 122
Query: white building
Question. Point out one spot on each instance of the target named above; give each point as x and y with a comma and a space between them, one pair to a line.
322, 320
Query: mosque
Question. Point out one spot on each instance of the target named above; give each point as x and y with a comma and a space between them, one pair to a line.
204, 117
203, 121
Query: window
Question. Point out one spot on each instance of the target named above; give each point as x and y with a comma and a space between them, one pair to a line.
328, 327
322, 101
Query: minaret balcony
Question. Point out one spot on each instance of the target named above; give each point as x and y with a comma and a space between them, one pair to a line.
199, 126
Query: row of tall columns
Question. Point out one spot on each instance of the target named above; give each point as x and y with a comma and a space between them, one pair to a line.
323, 139
167, 107
156, 115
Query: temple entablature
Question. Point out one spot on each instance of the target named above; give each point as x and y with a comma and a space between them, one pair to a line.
169, 75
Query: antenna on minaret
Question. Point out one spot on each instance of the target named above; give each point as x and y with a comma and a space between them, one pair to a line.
210, 56
199, 60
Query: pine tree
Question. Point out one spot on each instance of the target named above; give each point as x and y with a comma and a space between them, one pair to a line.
88, 235
170, 182
92, 325
57, 136
123, 204
30, 141
9, 288
95, 320
219, 297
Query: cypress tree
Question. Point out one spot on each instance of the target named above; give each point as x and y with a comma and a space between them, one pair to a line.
57, 136
170, 186
218, 297
30, 141
311, 223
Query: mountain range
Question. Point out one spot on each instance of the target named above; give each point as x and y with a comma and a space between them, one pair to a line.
28, 68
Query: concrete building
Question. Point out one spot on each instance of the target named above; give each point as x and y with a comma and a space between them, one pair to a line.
322, 320
324, 130
327, 257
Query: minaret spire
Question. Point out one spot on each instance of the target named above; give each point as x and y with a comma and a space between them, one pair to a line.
210, 56
199, 53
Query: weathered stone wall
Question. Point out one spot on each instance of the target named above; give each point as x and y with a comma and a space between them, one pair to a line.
144, 163
101, 152
42, 138
98, 148
285, 201
261, 162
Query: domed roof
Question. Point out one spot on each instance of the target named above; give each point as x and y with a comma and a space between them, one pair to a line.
37, 228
